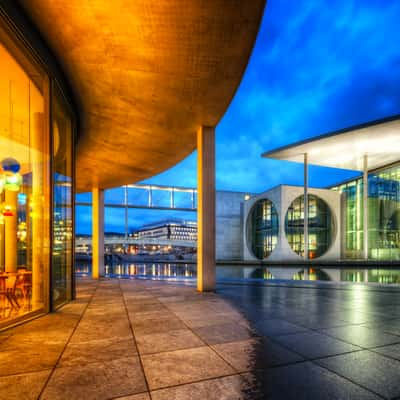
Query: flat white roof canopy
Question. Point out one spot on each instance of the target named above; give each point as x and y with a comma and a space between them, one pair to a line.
378, 140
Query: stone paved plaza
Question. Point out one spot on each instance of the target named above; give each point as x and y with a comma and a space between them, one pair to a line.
141, 340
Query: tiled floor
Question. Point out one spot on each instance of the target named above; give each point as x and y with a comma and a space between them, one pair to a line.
142, 340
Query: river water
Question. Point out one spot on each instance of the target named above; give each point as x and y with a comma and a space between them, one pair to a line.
245, 273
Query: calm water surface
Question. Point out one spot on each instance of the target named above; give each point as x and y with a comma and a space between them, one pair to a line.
187, 272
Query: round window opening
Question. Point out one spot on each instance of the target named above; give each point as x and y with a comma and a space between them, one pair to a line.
320, 226
264, 228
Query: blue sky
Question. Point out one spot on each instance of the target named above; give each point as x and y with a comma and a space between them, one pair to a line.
316, 67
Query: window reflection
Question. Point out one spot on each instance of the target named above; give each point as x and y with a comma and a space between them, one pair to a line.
320, 226
264, 228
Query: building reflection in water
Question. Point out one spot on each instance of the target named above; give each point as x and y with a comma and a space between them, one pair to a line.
156, 270
248, 273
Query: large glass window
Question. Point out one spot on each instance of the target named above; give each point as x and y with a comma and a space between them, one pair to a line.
383, 215
62, 197
320, 226
264, 228
352, 218
24, 185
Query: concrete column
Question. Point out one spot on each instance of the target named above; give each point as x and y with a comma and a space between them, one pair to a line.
126, 217
206, 267
365, 207
97, 233
10, 223
305, 206
172, 198
150, 197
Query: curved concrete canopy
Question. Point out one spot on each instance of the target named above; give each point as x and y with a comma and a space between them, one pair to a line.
146, 74
378, 140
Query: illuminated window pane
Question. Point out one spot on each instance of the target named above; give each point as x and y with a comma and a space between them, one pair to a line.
320, 226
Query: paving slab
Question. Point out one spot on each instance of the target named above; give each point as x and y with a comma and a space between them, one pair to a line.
183, 366
168, 341
315, 345
223, 333
96, 381
362, 336
373, 371
307, 381
256, 353
23, 386
233, 387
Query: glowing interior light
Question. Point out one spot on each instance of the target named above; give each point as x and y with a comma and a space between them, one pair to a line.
12, 181
7, 211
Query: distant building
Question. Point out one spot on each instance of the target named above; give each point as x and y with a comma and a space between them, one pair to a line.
171, 229
273, 227
273, 221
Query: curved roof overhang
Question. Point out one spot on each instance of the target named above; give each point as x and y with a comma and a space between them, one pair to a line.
146, 74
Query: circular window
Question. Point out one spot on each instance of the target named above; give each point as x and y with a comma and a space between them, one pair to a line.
320, 226
263, 228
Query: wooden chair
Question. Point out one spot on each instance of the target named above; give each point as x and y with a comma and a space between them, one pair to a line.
7, 292
11, 285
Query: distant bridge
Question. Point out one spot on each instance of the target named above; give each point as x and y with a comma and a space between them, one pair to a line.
146, 196
156, 197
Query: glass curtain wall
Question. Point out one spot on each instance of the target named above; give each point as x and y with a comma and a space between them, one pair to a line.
383, 215
36, 184
24, 185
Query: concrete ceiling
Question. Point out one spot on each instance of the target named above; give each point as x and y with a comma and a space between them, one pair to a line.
378, 140
147, 74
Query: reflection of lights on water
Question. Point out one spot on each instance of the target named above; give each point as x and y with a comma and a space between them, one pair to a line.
267, 275
171, 271
359, 291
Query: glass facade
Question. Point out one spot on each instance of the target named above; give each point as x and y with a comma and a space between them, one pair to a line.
62, 199
24, 197
383, 215
320, 226
29, 221
264, 228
